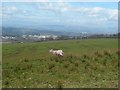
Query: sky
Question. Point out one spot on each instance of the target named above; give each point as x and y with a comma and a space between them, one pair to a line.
102, 16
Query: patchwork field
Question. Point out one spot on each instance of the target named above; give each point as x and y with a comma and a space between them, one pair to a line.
87, 63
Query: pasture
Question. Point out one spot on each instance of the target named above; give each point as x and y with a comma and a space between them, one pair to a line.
87, 63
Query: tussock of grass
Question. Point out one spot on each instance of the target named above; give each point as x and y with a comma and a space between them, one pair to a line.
98, 54
83, 60
76, 64
87, 66
66, 65
86, 56
107, 52
51, 65
118, 52
59, 85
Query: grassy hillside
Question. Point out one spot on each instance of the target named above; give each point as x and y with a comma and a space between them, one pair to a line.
86, 63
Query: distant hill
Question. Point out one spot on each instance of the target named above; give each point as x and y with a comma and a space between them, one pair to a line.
52, 30
27, 31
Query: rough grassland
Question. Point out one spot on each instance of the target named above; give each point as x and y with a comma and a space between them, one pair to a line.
87, 63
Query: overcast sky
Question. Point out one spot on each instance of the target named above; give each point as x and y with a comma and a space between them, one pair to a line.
86, 14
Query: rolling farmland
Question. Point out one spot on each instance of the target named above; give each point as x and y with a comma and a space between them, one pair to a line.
87, 63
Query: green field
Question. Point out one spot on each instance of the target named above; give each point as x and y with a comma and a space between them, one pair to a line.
87, 63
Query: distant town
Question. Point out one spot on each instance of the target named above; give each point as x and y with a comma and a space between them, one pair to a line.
40, 38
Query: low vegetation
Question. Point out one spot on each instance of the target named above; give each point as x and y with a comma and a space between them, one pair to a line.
89, 63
